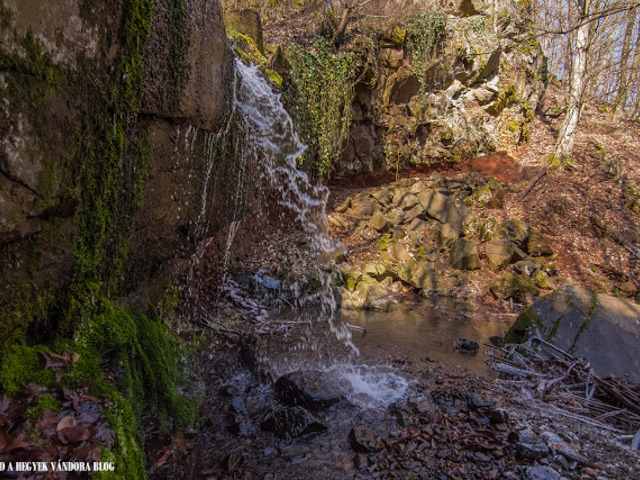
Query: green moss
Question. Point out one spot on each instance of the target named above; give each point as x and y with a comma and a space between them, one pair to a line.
246, 49
43, 401
397, 35
274, 78
20, 365
426, 35
177, 61
526, 325
508, 97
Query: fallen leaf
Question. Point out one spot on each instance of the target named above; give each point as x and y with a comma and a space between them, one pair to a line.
66, 422
106, 435
73, 434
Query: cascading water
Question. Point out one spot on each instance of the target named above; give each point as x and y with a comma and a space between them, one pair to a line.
270, 142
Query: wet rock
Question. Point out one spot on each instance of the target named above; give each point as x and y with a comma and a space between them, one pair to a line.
363, 440
292, 422
311, 389
467, 346
531, 451
603, 329
381, 223
540, 473
536, 244
515, 286
475, 400
464, 255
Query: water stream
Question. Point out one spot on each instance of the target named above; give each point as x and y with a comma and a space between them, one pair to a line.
271, 143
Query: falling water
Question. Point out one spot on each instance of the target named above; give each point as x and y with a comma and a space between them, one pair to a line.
270, 139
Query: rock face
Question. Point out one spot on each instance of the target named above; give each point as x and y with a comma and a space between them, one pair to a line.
108, 142
603, 329
458, 102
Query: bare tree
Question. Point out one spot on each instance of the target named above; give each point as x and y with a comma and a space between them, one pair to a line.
566, 138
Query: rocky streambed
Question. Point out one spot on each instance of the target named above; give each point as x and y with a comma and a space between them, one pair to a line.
408, 420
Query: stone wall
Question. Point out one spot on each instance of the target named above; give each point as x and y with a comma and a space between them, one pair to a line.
113, 156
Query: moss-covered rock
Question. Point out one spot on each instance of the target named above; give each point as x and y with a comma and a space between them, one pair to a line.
515, 286
526, 325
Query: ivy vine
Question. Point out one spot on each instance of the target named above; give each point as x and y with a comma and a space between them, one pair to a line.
321, 93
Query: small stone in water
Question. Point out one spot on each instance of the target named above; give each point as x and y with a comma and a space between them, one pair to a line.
467, 346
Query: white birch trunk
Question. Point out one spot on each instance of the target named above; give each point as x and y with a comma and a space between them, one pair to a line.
566, 138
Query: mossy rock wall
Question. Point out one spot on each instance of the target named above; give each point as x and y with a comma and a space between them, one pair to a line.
111, 160
472, 94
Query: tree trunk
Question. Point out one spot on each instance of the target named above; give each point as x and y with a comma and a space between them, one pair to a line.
624, 76
566, 138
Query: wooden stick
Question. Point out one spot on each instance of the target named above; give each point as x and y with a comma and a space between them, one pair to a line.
533, 182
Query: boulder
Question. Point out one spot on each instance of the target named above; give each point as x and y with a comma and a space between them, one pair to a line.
464, 255
313, 390
603, 329
400, 253
404, 199
516, 231
490, 195
445, 234
421, 276
515, 286
292, 422
364, 206
382, 195
370, 295
381, 223
435, 204
536, 244
339, 221
502, 252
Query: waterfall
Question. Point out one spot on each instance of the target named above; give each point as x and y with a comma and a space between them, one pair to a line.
270, 142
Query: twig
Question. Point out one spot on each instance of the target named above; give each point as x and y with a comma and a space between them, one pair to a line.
533, 182
551, 345
584, 419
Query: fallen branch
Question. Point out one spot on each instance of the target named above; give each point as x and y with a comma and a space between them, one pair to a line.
533, 182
